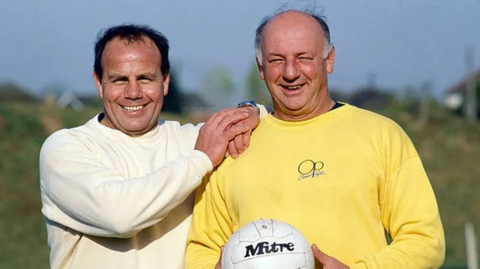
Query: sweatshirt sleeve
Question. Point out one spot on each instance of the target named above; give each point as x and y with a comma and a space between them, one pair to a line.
409, 214
211, 226
264, 111
81, 193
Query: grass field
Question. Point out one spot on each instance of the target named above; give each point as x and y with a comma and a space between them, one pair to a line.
449, 147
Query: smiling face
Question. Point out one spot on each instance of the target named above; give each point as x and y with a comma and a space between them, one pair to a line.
132, 86
294, 68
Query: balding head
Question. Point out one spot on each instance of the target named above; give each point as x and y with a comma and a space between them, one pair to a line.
294, 59
297, 17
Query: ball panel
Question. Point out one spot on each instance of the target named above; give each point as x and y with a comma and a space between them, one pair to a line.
285, 261
265, 244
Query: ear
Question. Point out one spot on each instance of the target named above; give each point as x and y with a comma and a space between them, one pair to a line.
166, 83
260, 69
330, 60
98, 84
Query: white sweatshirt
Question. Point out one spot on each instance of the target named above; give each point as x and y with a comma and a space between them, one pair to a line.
113, 201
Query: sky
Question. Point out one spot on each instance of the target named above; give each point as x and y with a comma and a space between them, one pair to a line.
398, 43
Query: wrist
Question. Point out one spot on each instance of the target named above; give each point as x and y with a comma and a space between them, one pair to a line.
249, 103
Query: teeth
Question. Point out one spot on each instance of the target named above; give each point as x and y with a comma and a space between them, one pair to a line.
293, 87
132, 108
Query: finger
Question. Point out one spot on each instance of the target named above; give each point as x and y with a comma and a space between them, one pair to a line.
218, 122
239, 145
246, 138
217, 117
253, 112
230, 119
219, 263
232, 149
234, 130
252, 121
318, 254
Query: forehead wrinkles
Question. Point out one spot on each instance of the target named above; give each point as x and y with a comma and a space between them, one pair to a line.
282, 45
119, 50
292, 28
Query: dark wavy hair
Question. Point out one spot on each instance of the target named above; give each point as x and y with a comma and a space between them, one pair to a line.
131, 33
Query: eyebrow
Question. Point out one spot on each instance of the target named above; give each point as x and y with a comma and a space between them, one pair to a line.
124, 77
147, 76
274, 55
115, 77
295, 54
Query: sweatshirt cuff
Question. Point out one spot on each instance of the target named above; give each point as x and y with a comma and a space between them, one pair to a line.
205, 164
264, 111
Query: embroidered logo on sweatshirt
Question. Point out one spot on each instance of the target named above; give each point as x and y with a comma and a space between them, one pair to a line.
310, 169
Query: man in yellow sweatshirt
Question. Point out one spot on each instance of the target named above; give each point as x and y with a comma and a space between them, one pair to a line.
342, 175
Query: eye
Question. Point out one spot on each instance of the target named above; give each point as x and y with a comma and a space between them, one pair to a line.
144, 80
120, 81
305, 58
275, 60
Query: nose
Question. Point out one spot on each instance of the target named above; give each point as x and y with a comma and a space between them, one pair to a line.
133, 90
290, 70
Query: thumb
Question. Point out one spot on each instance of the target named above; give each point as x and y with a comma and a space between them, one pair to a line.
318, 254
235, 130
219, 263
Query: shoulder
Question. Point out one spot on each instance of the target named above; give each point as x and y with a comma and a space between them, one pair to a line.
388, 130
372, 119
179, 128
64, 138
57, 142
368, 125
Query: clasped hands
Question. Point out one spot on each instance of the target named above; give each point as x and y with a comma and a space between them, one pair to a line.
227, 132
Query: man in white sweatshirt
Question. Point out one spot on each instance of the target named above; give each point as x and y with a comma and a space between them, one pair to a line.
117, 191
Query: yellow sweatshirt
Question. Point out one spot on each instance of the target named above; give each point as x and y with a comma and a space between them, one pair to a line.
344, 179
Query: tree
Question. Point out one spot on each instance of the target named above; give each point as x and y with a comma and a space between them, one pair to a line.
256, 89
173, 100
372, 98
11, 92
218, 86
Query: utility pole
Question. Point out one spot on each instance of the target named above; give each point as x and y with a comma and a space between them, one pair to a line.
424, 111
471, 244
372, 80
470, 104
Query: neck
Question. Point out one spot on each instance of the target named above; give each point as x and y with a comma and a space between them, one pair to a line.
325, 105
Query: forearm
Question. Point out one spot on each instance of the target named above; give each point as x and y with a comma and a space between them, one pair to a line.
414, 253
211, 226
103, 202
410, 215
201, 257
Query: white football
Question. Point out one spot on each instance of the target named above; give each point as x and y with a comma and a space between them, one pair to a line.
267, 244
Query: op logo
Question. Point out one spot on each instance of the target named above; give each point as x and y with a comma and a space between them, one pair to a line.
310, 168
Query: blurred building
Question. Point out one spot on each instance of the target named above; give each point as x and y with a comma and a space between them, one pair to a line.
455, 96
